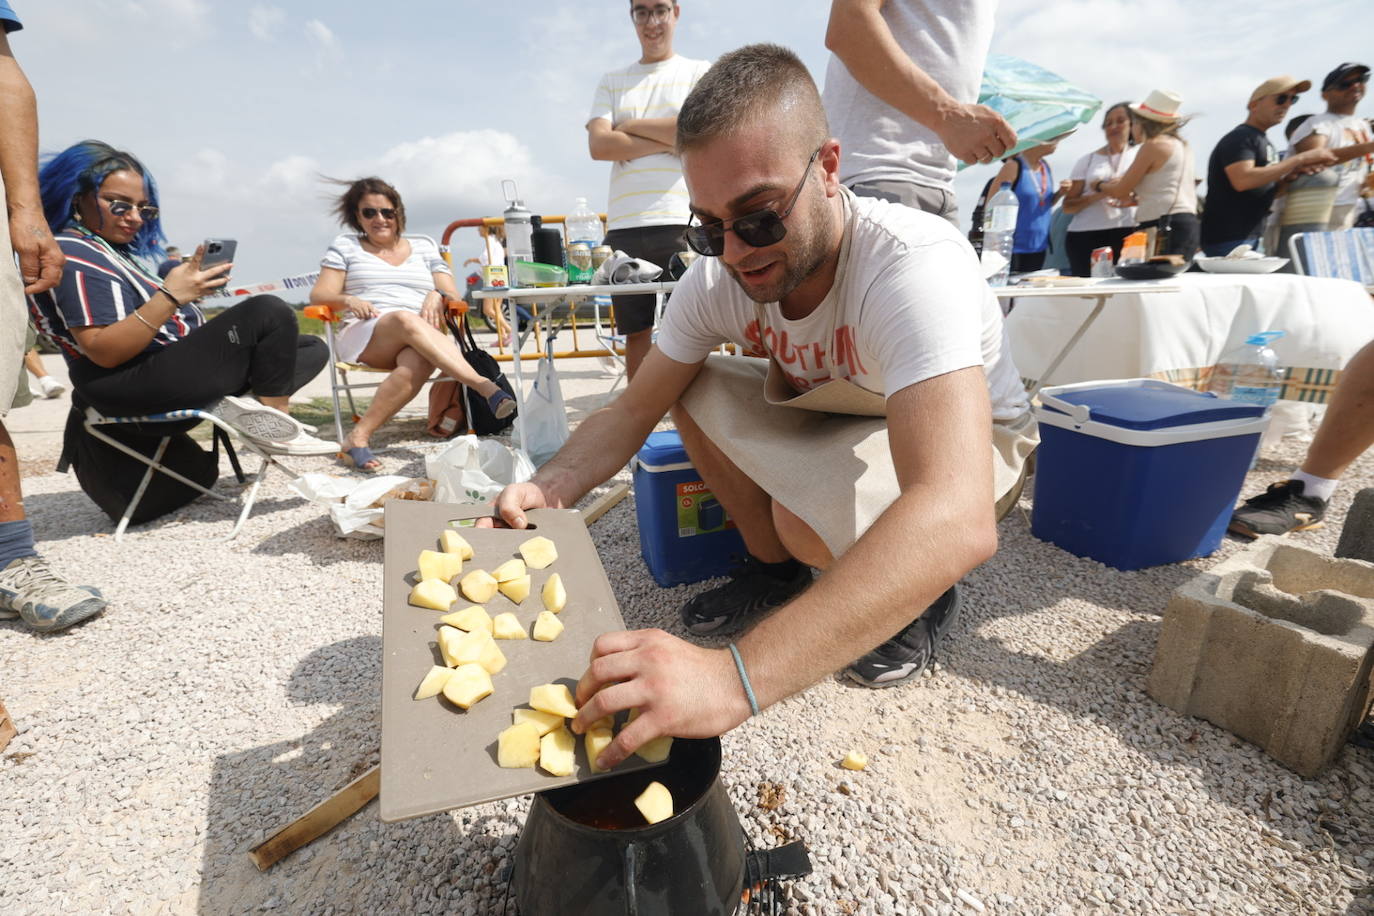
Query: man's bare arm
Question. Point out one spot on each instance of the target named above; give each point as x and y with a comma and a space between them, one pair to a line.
860, 38
40, 260
1244, 174
610, 145
660, 130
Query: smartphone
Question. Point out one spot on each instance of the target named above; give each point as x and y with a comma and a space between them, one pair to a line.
218, 251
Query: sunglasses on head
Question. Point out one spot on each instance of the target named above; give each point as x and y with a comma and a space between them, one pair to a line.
758, 229
1285, 98
121, 207
370, 212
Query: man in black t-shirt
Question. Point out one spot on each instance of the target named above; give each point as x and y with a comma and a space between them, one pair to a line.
1244, 171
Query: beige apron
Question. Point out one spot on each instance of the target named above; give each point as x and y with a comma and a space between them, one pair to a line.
824, 453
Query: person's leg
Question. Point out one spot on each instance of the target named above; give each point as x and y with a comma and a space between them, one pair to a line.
34, 363
938, 201
312, 353
636, 348
397, 331
403, 383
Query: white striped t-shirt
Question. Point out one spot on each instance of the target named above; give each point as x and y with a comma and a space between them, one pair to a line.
648, 191
386, 286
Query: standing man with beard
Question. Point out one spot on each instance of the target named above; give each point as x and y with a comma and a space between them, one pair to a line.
877, 442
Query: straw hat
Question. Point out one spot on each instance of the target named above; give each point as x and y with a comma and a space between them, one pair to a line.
1160, 105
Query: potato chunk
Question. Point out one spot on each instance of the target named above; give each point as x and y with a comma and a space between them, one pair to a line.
472, 619
518, 746
544, 721
435, 565
597, 740
435, 594
655, 803
558, 752
538, 552
854, 760
451, 541
466, 685
516, 590
508, 626
448, 638
547, 627
433, 682
555, 596
478, 586
554, 698
511, 569
492, 658
656, 751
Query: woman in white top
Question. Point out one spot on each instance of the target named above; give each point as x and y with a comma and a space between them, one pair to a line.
1162, 175
393, 290
1100, 220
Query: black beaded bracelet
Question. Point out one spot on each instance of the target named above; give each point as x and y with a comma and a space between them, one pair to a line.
175, 301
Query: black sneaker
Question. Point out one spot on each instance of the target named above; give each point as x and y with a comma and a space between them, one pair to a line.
751, 591
907, 654
1278, 510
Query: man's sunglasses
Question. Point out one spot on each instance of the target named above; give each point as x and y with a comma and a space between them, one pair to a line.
370, 212
758, 229
121, 207
1284, 98
1352, 83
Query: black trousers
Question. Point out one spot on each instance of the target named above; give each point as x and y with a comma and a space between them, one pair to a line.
1081, 245
254, 346
1185, 232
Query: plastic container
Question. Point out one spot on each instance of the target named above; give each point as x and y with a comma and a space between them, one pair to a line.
584, 226
685, 534
1139, 472
1250, 372
531, 273
999, 232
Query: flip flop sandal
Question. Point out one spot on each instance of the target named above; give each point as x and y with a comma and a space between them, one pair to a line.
360, 456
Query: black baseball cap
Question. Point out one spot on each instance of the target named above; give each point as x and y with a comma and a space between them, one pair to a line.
1341, 72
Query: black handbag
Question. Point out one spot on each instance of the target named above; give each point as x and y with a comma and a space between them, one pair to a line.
480, 416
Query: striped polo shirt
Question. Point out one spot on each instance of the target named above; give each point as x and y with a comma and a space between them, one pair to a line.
648, 191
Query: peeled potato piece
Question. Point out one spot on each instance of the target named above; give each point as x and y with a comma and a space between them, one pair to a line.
603, 722
451, 541
433, 683
448, 641
435, 594
544, 721
511, 569
478, 586
508, 626
555, 596
554, 698
516, 590
597, 740
558, 752
473, 619
492, 658
435, 565
547, 627
518, 746
466, 685
854, 760
538, 552
655, 803
656, 751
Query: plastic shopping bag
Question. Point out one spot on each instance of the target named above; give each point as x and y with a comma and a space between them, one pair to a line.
546, 419
475, 470
356, 507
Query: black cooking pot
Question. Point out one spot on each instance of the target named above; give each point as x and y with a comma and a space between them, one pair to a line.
585, 849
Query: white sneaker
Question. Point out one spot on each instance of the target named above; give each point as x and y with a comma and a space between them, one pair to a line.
51, 387
302, 444
257, 421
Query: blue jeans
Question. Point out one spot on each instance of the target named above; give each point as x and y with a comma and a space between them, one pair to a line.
1222, 249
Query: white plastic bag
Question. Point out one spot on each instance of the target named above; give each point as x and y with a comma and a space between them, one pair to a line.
356, 506
475, 470
545, 418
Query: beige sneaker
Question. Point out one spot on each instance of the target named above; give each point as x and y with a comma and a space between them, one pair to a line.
30, 590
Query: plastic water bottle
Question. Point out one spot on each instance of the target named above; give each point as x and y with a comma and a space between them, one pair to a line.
999, 231
583, 225
519, 232
1250, 372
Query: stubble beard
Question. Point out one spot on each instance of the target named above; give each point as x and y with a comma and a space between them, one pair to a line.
812, 240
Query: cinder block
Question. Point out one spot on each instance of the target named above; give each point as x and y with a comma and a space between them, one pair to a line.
1357, 534
1275, 645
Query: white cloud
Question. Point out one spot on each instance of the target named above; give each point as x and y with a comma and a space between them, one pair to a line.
265, 21
322, 38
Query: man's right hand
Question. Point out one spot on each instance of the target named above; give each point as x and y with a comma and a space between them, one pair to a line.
975, 134
40, 260
1311, 161
514, 501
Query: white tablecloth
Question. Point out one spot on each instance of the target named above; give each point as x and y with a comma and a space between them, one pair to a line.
1175, 335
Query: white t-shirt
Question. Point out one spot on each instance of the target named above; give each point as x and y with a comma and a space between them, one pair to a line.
1340, 130
949, 40
386, 286
648, 191
1099, 214
913, 304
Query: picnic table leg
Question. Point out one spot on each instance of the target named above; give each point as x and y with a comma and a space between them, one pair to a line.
1101, 301
516, 341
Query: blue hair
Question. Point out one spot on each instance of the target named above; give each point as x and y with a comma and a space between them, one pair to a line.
82, 168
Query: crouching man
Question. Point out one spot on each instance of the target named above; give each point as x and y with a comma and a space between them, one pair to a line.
877, 440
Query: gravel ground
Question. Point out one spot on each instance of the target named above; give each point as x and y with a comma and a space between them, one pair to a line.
231, 686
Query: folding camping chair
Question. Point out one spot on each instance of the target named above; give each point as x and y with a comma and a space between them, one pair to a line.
94, 420
1346, 255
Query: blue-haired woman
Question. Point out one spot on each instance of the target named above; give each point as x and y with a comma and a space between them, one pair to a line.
138, 344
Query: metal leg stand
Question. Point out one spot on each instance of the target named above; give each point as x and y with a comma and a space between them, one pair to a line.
1100, 301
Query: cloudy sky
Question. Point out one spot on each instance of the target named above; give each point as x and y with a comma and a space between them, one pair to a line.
238, 107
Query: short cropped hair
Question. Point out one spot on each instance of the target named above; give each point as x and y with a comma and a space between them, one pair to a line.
346, 209
744, 83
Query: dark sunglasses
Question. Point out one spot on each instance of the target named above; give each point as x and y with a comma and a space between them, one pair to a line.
757, 230
1284, 98
1351, 84
369, 212
121, 207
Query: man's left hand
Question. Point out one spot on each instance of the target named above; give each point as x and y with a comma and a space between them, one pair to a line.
679, 689
40, 260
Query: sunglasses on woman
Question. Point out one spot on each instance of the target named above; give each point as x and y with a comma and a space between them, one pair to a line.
758, 229
370, 212
121, 207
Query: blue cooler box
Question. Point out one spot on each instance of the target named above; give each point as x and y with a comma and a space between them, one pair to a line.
684, 532
1140, 472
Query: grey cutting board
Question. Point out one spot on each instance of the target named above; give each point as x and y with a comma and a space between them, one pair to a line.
435, 756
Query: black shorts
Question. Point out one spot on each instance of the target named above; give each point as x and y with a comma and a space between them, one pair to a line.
655, 244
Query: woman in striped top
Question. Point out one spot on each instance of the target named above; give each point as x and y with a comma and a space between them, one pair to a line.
136, 344
392, 288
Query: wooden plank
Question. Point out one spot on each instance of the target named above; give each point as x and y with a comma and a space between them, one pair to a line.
318, 821
7, 729
605, 502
